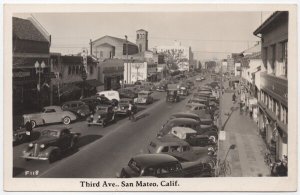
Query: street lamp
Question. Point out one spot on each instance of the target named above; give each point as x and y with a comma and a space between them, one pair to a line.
127, 78
39, 68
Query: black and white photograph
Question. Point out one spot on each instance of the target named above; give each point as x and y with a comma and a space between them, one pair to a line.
141, 98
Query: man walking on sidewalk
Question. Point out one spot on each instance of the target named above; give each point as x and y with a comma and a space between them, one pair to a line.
130, 110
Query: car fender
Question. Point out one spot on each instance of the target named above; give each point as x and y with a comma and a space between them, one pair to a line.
49, 150
38, 119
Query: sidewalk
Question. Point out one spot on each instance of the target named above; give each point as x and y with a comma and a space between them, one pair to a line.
247, 159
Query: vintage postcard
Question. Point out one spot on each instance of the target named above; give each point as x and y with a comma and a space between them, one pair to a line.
150, 97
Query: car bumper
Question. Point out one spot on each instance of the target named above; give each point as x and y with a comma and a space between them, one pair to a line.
28, 156
96, 123
122, 112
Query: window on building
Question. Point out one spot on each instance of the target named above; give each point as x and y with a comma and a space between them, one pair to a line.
69, 70
278, 114
73, 70
77, 70
285, 57
284, 115
91, 69
140, 47
273, 59
274, 105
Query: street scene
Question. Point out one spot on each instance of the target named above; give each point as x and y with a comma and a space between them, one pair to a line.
150, 95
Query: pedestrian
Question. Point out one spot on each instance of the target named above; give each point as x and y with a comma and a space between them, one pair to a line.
233, 98
28, 128
130, 110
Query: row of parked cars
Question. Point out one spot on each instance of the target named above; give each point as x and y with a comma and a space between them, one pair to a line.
185, 145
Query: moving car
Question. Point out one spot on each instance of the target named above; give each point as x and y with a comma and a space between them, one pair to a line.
93, 102
178, 148
77, 107
51, 144
122, 108
50, 114
102, 116
164, 166
183, 91
144, 97
172, 96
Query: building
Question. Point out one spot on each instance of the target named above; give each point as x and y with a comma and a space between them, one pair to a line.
142, 40
111, 73
237, 69
30, 66
68, 84
178, 55
273, 99
230, 64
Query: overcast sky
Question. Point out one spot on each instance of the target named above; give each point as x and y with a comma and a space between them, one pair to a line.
210, 34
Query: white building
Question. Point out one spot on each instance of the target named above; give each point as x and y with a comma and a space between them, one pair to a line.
182, 55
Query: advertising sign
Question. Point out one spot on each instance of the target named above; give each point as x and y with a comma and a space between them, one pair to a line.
138, 72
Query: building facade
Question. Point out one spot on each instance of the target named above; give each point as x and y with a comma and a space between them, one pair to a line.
30, 65
273, 100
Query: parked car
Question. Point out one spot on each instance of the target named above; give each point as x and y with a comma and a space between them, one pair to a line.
127, 93
195, 100
180, 149
191, 123
190, 136
102, 116
51, 144
172, 96
19, 135
77, 107
144, 97
161, 87
194, 116
164, 166
122, 108
50, 114
112, 95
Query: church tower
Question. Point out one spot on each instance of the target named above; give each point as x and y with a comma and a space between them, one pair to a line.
142, 40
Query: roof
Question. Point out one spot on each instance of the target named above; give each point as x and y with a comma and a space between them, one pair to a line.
184, 129
184, 114
52, 107
141, 30
25, 30
183, 120
114, 38
145, 160
75, 60
270, 21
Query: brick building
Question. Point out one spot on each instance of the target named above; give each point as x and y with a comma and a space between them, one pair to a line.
273, 100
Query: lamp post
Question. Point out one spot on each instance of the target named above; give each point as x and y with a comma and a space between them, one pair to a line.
137, 67
127, 76
39, 68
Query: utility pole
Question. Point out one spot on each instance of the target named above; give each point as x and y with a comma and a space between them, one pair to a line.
127, 76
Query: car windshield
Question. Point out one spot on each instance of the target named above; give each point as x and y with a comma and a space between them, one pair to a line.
134, 166
50, 133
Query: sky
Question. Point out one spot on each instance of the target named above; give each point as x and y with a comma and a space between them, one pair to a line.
211, 35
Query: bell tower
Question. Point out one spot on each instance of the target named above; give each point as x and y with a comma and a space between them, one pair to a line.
142, 40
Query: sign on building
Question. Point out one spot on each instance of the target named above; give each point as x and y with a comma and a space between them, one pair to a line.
84, 58
134, 72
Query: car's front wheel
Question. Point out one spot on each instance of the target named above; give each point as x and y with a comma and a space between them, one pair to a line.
66, 120
54, 156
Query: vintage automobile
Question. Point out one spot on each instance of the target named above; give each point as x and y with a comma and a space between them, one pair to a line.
190, 136
102, 116
172, 96
79, 108
127, 93
19, 135
183, 90
50, 114
112, 95
122, 108
51, 144
93, 102
195, 100
144, 97
180, 149
196, 106
191, 123
164, 166
203, 123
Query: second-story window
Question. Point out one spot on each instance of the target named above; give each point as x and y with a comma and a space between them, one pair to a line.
69, 70
285, 57
272, 59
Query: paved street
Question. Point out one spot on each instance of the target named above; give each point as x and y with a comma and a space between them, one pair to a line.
103, 151
247, 159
